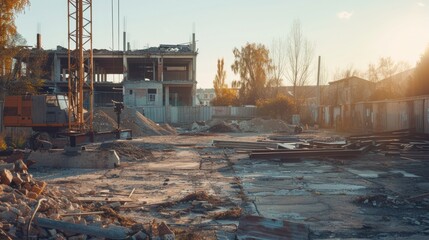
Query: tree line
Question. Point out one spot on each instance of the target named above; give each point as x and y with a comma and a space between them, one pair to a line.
262, 70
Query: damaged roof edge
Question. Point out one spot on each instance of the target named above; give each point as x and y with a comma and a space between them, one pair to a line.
162, 48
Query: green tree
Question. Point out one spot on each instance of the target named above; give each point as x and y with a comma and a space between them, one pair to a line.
252, 64
419, 83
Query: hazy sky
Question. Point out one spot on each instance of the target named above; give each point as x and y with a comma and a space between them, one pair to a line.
344, 32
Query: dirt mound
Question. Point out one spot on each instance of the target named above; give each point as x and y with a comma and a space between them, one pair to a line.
105, 120
128, 150
265, 126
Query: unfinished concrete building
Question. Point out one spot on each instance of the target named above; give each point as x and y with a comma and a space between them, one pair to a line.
156, 76
160, 76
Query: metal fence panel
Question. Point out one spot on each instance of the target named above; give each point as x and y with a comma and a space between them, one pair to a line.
156, 114
426, 115
418, 115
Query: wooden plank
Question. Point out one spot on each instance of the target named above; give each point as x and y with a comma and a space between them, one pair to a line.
104, 199
110, 233
81, 214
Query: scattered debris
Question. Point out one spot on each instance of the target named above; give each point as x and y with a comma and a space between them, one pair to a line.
128, 150
255, 227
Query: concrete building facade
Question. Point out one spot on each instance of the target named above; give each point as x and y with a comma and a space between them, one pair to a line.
156, 76
205, 96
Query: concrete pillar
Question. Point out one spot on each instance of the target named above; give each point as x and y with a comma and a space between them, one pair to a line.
154, 70
97, 75
57, 69
160, 70
194, 78
167, 96
64, 75
125, 64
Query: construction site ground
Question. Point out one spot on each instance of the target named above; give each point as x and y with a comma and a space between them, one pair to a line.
367, 197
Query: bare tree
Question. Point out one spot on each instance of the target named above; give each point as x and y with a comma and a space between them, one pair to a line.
349, 71
278, 58
300, 56
385, 69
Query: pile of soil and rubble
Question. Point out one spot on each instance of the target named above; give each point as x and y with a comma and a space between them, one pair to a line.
258, 125
105, 120
30, 209
128, 150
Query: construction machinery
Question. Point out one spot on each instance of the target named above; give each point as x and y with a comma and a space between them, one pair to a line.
59, 113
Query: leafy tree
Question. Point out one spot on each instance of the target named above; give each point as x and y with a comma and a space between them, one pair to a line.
224, 95
281, 107
419, 83
9, 40
8, 9
253, 65
228, 98
219, 81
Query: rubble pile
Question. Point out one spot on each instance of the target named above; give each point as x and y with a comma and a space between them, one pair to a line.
128, 151
105, 120
29, 209
16, 175
260, 125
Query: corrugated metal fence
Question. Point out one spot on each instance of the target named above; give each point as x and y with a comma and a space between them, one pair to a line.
188, 114
380, 116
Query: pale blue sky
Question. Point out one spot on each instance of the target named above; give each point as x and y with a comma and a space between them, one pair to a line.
344, 32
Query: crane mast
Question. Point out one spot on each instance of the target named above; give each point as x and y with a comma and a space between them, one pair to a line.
80, 65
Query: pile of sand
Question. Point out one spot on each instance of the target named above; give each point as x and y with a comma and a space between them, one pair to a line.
105, 120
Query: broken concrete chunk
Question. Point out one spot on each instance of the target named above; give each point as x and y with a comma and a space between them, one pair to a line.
17, 179
20, 166
6, 177
32, 195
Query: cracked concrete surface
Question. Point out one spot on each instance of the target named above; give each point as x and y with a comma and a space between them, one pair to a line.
357, 198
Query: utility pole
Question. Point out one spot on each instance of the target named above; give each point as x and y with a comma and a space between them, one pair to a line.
318, 90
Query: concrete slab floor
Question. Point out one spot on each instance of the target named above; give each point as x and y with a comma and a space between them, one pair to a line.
360, 198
